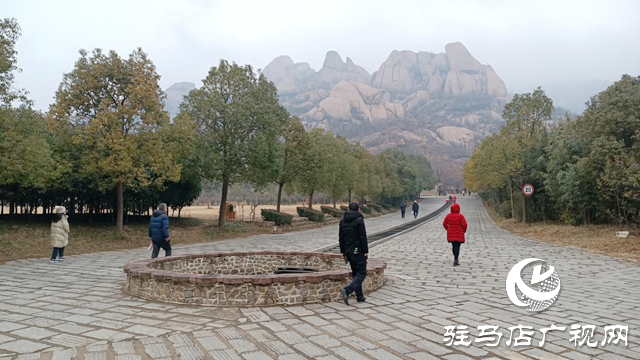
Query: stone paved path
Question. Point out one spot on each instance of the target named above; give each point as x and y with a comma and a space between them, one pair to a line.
77, 309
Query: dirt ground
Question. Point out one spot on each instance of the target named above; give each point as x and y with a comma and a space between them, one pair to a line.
598, 239
210, 213
21, 241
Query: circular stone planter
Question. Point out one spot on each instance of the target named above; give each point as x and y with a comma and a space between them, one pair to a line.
246, 279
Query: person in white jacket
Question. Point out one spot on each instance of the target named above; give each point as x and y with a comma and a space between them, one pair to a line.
59, 234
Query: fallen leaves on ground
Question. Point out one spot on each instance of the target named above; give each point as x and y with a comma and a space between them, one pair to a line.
598, 239
21, 240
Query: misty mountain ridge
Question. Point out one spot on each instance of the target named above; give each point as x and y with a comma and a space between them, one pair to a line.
435, 104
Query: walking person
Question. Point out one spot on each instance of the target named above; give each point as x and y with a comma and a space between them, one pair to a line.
414, 208
159, 231
403, 208
355, 249
456, 226
59, 233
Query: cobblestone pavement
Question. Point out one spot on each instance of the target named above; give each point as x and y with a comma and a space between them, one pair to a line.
77, 309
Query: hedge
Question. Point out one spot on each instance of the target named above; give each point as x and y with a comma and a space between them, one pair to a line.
331, 211
365, 209
387, 206
375, 207
278, 217
313, 215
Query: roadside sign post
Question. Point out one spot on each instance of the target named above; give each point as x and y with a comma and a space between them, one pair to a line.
527, 190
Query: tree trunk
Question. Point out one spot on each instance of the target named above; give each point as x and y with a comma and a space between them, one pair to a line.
179, 211
334, 203
349, 200
2, 207
119, 208
311, 200
223, 203
513, 209
280, 186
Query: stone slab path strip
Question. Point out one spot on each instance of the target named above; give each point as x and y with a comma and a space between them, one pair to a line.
77, 309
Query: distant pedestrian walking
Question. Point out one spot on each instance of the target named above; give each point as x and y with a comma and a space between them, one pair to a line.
59, 233
454, 199
403, 208
414, 208
450, 198
159, 231
355, 249
456, 226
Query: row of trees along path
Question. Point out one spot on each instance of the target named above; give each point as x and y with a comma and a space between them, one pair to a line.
585, 168
107, 142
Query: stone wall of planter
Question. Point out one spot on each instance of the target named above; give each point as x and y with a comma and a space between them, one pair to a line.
245, 279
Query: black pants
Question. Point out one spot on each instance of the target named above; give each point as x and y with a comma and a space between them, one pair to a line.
359, 271
166, 245
415, 214
456, 249
56, 252
402, 212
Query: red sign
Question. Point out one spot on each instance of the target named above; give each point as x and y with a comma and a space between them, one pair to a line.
527, 189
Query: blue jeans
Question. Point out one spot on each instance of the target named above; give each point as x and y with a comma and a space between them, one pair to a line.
56, 252
359, 271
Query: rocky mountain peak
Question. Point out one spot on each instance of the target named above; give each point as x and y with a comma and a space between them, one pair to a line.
460, 59
434, 104
333, 60
175, 93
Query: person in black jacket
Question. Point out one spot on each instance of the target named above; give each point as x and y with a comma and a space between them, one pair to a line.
159, 231
403, 208
354, 247
414, 208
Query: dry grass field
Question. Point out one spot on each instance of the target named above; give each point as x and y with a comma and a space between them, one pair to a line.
211, 213
597, 239
29, 240
20, 239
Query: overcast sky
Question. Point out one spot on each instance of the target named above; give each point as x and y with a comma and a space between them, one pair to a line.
528, 43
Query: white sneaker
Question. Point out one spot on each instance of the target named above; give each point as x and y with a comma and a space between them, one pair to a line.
52, 261
61, 259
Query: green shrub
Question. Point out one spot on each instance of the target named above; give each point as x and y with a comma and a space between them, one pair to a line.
313, 215
331, 211
365, 209
387, 206
278, 217
375, 207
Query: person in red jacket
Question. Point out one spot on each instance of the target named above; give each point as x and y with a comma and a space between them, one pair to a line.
456, 227
454, 199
